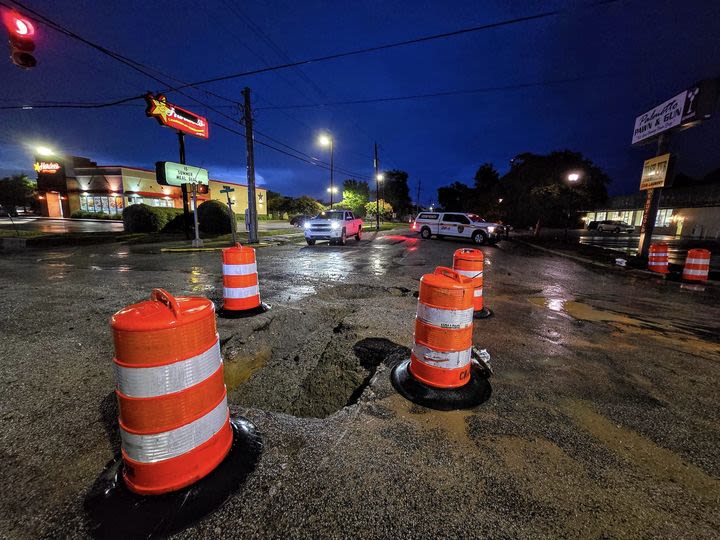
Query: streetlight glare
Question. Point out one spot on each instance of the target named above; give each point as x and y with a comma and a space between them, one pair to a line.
332, 190
573, 177
380, 177
324, 140
44, 151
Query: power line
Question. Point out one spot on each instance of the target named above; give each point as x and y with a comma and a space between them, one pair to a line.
437, 94
414, 41
137, 66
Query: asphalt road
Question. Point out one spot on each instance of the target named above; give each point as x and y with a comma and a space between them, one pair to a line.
603, 421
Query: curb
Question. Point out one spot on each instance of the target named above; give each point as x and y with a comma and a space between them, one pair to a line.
585, 260
219, 248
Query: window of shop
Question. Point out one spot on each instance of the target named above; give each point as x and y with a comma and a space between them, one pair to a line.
601, 216
590, 216
638, 218
136, 199
663, 218
101, 204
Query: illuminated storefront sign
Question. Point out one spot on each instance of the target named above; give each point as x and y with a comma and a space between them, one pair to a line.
176, 117
655, 172
47, 167
177, 174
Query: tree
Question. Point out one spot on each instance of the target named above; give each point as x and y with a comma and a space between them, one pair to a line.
386, 210
277, 203
395, 190
355, 196
537, 188
487, 181
305, 205
17, 190
457, 197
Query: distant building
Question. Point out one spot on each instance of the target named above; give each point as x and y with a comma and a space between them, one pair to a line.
688, 211
71, 184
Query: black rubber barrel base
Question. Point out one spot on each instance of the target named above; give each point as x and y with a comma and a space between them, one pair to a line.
484, 313
475, 392
113, 511
243, 313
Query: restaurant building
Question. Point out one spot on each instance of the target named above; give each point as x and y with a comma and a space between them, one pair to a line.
72, 184
687, 211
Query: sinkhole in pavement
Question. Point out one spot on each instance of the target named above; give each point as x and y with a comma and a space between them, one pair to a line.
308, 364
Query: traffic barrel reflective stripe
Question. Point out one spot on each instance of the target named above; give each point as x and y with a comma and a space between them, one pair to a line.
470, 263
441, 355
658, 258
174, 418
697, 265
240, 279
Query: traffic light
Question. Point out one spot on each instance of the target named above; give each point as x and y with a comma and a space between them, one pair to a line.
202, 189
21, 32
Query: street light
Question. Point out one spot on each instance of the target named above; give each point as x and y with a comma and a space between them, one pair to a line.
326, 139
378, 178
44, 151
573, 177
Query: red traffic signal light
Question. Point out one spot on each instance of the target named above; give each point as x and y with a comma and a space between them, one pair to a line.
202, 189
21, 33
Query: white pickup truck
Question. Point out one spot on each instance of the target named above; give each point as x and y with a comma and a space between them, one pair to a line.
333, 225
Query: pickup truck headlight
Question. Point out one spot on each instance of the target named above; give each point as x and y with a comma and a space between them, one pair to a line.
306, 224
334, 225
491, 229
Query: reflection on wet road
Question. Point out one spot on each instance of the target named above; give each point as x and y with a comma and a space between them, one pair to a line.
62, 225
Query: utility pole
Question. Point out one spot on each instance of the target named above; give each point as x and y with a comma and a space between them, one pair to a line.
652, 203
252, 210
376, 166
184, 187
418, 199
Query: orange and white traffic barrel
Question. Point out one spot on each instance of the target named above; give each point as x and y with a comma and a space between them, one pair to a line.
175, 426
470, 263
658, 258
241, 292
697, 265
441, 373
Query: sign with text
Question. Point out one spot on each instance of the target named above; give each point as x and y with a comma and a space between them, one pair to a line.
47, 167
655, 172
659, 119
176, 117
177, 174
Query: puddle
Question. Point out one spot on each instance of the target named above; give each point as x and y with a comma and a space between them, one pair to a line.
239, 370
676, 335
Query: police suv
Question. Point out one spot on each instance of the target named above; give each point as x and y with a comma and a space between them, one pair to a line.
459, 225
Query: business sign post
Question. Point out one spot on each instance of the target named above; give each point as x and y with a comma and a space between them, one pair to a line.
183, 121
685, 110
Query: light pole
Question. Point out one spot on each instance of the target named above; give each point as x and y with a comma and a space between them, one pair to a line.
379, 177
572, 178
326, 140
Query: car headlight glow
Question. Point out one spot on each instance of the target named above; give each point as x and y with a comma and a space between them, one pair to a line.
306, 224
334, 225
491, 229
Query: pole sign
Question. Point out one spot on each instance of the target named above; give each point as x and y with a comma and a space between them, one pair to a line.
655, 172
686, 109
176, 117
177, 174
47, 167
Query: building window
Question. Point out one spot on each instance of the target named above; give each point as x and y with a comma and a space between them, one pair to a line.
638, 218
664, 217
601, 216
102, 204
590, 216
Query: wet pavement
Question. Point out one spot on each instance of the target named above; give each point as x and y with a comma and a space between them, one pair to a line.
603, 421
47, 225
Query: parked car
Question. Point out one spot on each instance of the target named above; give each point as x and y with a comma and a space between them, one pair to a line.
457, 224
6, 211
592, 225
299, 221
614, 226
333, 225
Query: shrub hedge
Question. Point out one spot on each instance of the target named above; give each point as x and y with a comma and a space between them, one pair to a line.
82, 214
145, 218
214, 217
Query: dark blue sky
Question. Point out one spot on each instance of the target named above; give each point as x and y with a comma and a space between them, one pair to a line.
626, 57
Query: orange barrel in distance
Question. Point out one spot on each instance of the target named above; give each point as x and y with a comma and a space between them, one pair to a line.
442, 352
240, 280
658, 258
697, 265
470, 262
174, 418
